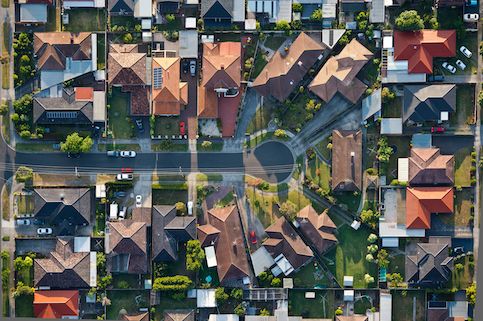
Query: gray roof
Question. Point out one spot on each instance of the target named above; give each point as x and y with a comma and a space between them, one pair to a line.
33, 12
425, 103
371, 104
226, 4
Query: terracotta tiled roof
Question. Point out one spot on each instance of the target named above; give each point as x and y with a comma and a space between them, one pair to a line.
318, 229
84, 93
179, 315
56, 304
140, 101
136, 317
285, 70
355, 317
229, 246
421, 202
420, 47
52, 48
338, 75
221, 69
172, 92
428, 167
346, 160
283, 239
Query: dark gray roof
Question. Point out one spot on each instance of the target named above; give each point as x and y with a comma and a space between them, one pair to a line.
226, 4
168, 230
425, 103
66, 103
430, 263
63, 206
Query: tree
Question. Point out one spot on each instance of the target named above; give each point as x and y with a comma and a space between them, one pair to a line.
372, 248
104, 282
4, 108
369, 257
276, 283
170, 18
236, 293
369, 217
395, 279
368, 278
316, 15
282, 25
194, 255
127, 38
75, 144
382, 260
101, 262
297, 7
264, 313
220, 295
339, 311
240, 310
387, 95
24, 174
471, 293
23, 289
384, 152
181, 208
409, 20
289, 210
206, 144
459, 267
176, 283
280, 133
372, 238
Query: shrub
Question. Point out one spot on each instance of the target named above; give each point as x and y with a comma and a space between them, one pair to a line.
240, 310
236, 293
220, 295
181, 208
280, 133
339, 311
6, 238
276, 283
170, 18
282, 25
174, 283
372, 238
409, 20
297, 7
316, 15
206, 144
127, 38
371, 171
123, 284
24, 174
194, 255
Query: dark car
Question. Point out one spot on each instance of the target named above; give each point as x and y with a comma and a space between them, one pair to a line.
436, 78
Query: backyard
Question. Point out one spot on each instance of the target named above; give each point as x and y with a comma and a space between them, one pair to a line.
120, 125
311, 276
24, 306
462, 174
129, 300
322, 307
392, 109
401, 146
349, 256
101, 51
461, 279
463, 208
464, 107
86, 19
349, 200
403, 303
319, 172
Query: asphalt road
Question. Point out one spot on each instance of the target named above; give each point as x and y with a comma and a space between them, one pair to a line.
272, 161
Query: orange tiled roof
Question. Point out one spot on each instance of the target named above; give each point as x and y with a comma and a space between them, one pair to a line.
421, 202
173, 93
420, 47
56, 304
84, 93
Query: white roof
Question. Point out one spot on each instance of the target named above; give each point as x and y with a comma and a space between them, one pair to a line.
223, 317
310, 295
284, 264
33, 12
210, 256
143, 9
99, 106
100, 190
444, 115
399, 230
261, 260
348, 280
250, 24
348, 295
205, 298
186, 40
377, 12
391, 126
355, 225
82, 244
79, 4
146, 24
238, 10
113, 211
93, 269
390, 242
385, 303
403, 169
387, 42
190, 23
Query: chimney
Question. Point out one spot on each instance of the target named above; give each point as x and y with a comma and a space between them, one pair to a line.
352, 165
62, 196
222, 67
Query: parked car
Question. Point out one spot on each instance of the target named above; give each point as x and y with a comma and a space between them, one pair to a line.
126, 170
122, 213
44, 231
139, 200
450, 68
120, 194
471, 17
466, 52
185, 67
124, 177
458, 250
23, 222
190, 207
182, 129
139, 124
437, 130
436, 78
253, 237
128, 153
112, 153
460, 64
193, 68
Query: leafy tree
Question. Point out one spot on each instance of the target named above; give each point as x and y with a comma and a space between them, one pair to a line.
382, 258
265, 278
370, 217
24, 174
282, 25
101, 262
297, 7
22, 289
384, 152
316, 15
170, 18
276, 282
240, 310
296, 24
176, 283
368, 278
289, 210
369, 257
104, 282
339, 311
395, 279
220, 295
127, 38
280, 133
76, 144
194, 255
4, 108
409, 20
471, 293
181, 208
372, 238
236, 293
387, 95
206, 144
459, 267
264, 313
372, 248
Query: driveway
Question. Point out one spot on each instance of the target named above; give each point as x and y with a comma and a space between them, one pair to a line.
451, 144
189, 114
43, 246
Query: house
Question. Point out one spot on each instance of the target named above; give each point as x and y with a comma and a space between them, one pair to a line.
62, 56
67, 267
126, 245
169, 93
60, 304
429, 264
447, 310
224, 231
168, 231
167, 6
143, 316
32, 11
423, 103
66, 209
137, 8
286, 247
288, 66
127, 68
270, 11
338, 75
318, 229
69, 4
346, 160
280, 314
222, 13
355, 317
69, 109
420, 47
179, 315
428, 167
421, 202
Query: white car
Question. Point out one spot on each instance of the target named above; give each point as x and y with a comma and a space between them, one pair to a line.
449, 67
460, 64
128, 153
124, 177
139, 200
23, 222
190, 208
471, 17
44, 231
465, 52
122, 214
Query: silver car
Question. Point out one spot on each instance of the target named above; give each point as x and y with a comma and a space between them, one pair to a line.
466, 52
44, 231
124, 177
128, 153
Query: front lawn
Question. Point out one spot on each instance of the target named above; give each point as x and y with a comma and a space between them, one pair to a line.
168, 196
403, 302
129, 300
168, 303
461, 279
25, 204
120, 125
322, 307
169, 146
463, 209
24, 306
166, 126
349, 256
462, 175
5, 76
119, 147
322, 148
465, 106
293, 114
86, 19
319, 172
260, 120
311, 276
274, 41
213, 147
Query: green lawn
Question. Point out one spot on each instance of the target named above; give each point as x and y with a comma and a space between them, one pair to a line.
119, 122
130, 300
53, 19
225, 201
260, 120
101, 51
461, 279
25, 204
462, 175
402, 306
24, 306
320, 307
465, 104
214, 147
293, 114
6, 203
401, 148
209, 177
118, 279
258, 65
126, 21
349, 256
392, 109
170, 304
5, 76
168, 145
310, 276
86, 19
462, 209
5, 3
348, 200
166, 126
319, 172
5, 287
274, 42
322, 148
169, 196
396, 263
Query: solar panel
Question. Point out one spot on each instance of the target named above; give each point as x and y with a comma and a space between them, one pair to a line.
158, 77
